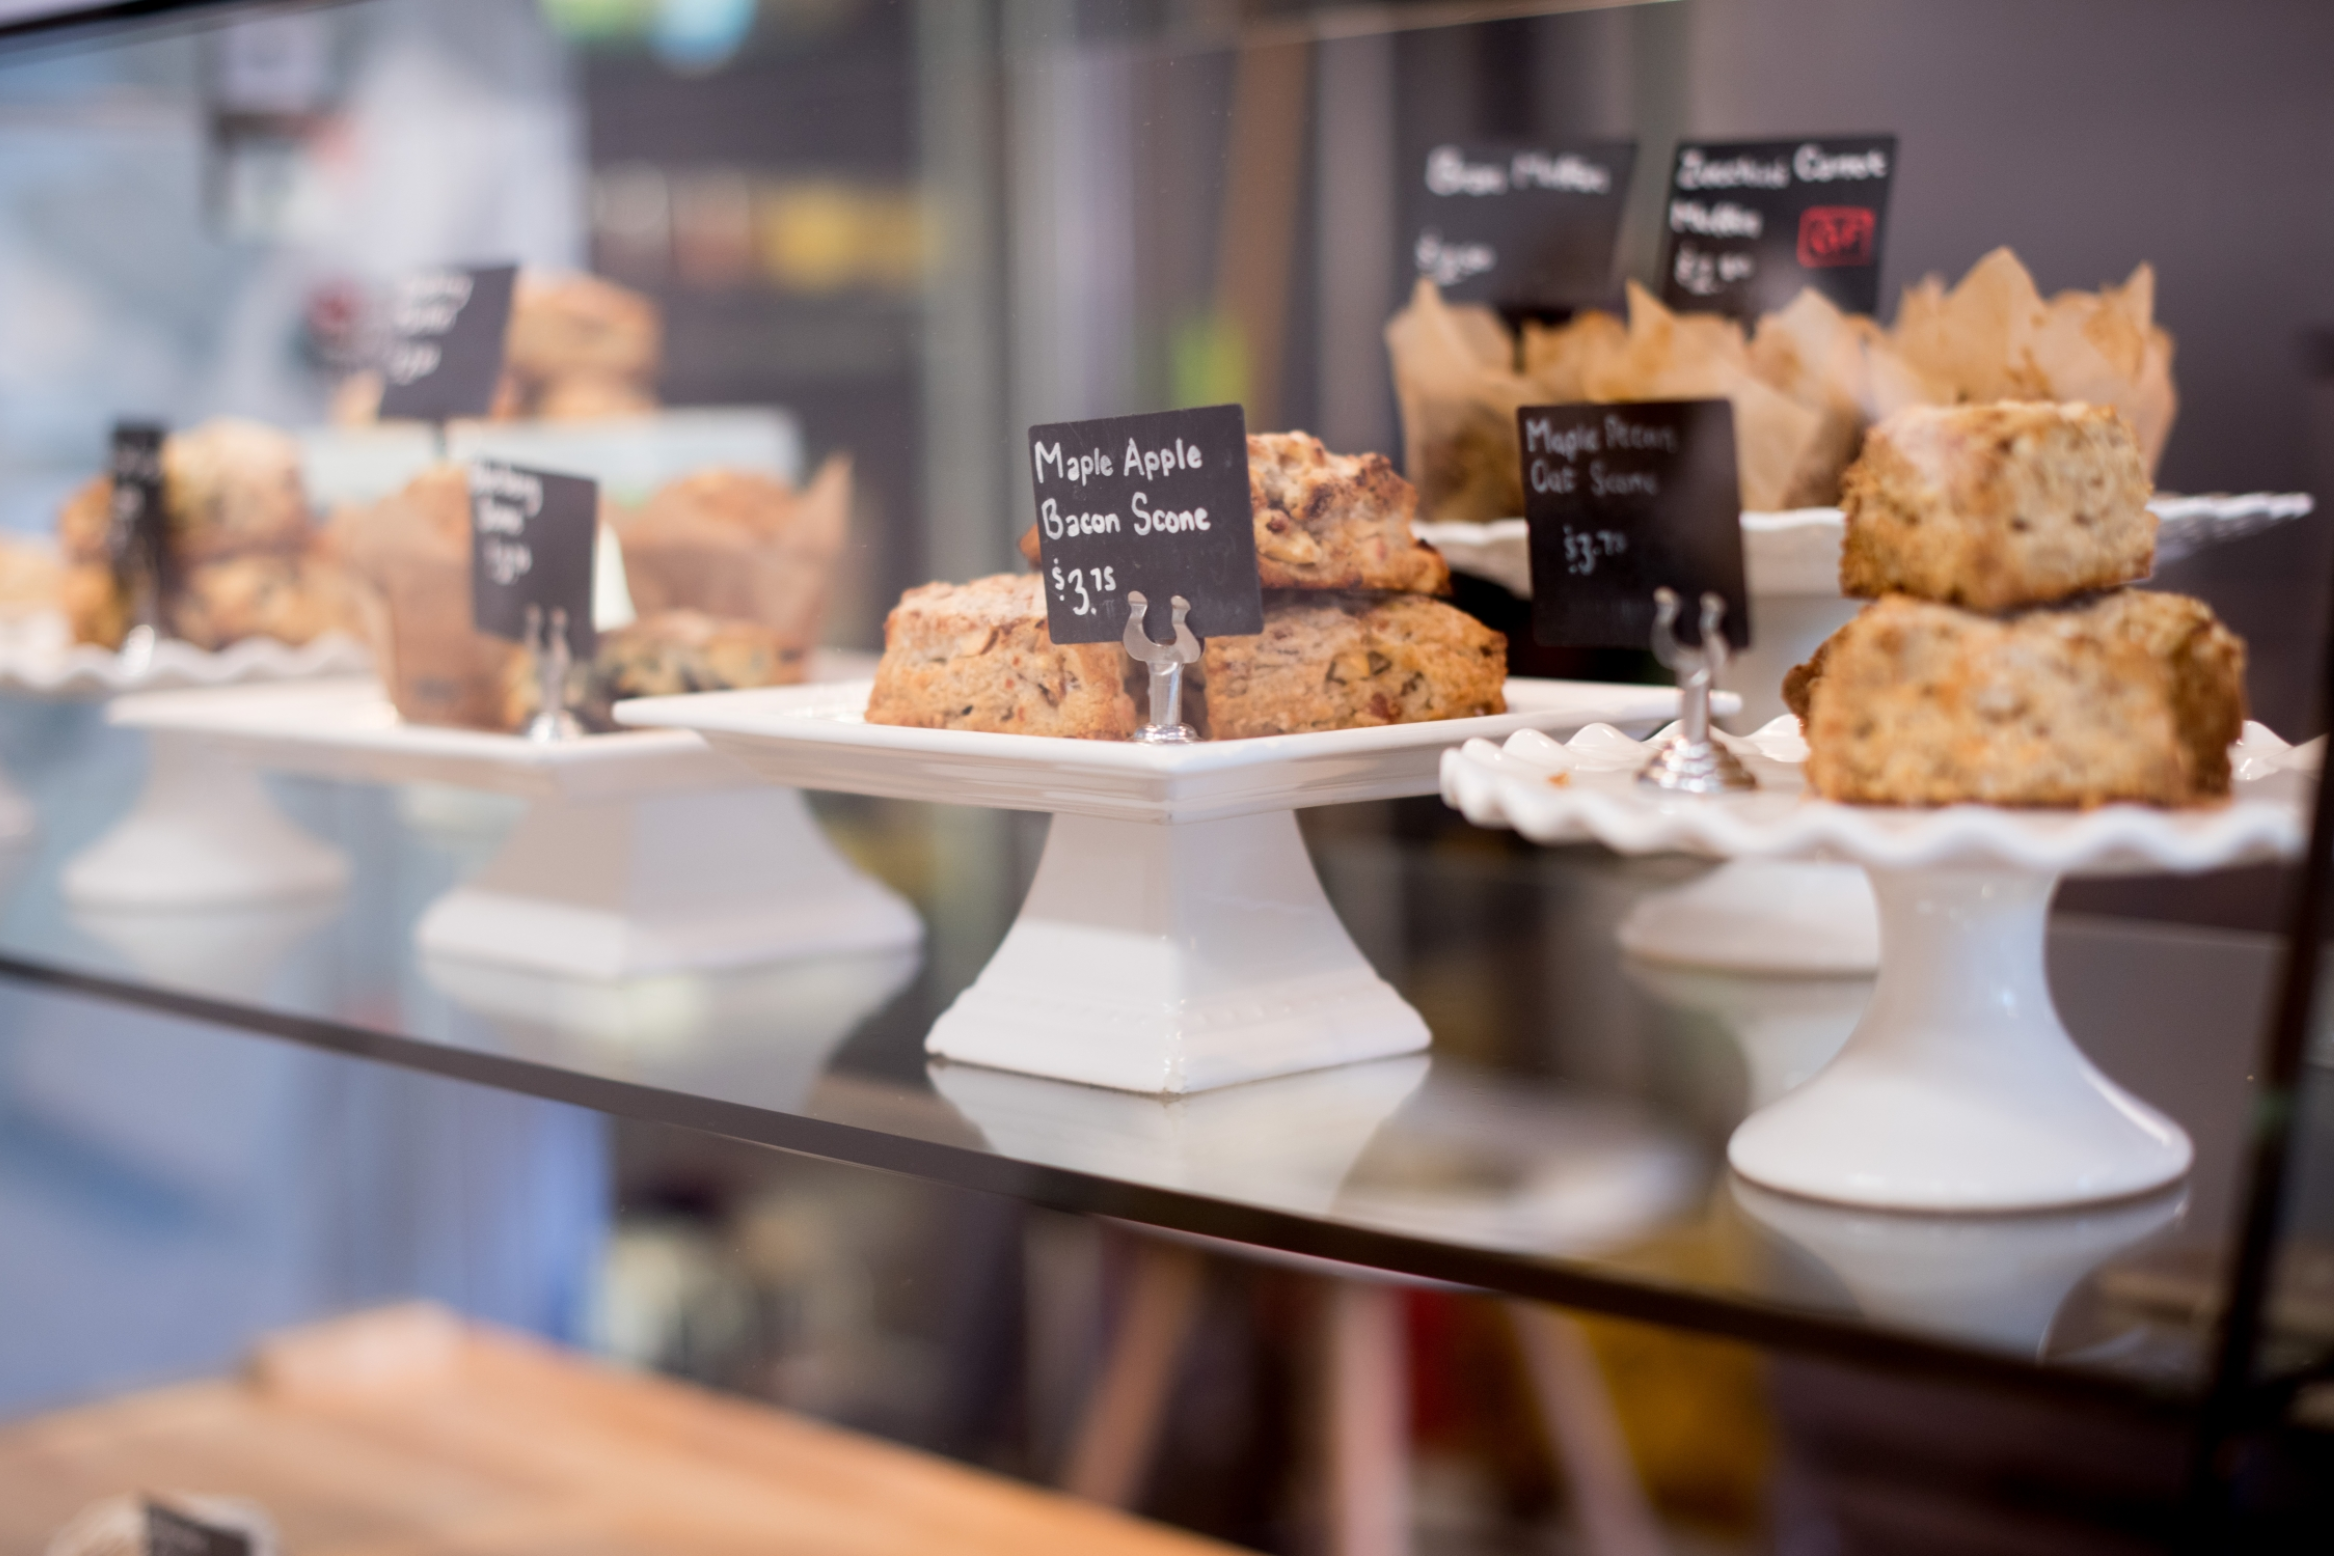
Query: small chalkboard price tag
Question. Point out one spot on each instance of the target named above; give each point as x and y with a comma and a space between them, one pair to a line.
1158, 503
1622, 500
446, 336
1751, 222
533, 537
1525, 226
172, 1533
135, 537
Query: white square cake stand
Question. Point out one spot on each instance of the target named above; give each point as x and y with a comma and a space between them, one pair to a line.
1176, 937
642, 852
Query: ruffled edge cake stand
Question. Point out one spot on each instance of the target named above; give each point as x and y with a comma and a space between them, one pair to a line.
1803, 919
1960, 1089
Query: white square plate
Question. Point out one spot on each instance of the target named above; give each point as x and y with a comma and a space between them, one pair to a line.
817, 737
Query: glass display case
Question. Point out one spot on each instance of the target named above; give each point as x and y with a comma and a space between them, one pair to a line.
261, 1064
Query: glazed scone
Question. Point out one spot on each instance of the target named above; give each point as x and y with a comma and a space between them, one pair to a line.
1335, 521
230, 488
2133, 696
1996, 506
1347, 661
977, 656
1329, 521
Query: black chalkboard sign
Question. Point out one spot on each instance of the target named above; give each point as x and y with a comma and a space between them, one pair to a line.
172, 1533
533, 539
1524, 226
136, 537
447, 329
1751, 222
1157, 503
1621, 500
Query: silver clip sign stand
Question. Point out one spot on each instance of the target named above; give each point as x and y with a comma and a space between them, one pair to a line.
1693, 762
1166, 661
552, 660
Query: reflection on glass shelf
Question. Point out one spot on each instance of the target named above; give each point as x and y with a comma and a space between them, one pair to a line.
1788, 1028
1998, 1281
684, 1029
1287, 1143
1562, 1138
1475, 1160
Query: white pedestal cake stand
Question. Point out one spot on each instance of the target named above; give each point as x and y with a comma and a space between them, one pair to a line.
1807, 919
1176, 937
641, 853
1959, 1089
203, 833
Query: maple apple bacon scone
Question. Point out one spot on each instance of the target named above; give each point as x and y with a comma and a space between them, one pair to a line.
1352, 637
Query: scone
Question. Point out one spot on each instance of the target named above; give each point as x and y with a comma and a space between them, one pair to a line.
1328, 521
1345, 661
1996, 506
664, 655
977, 656
2131, 696
1335, 521
580, 324
736, 544
230, 488
291, 599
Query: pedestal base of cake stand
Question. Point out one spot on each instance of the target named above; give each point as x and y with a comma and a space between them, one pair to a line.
1960, 1089
1789, 917
204, 833
682, 881
1175, 957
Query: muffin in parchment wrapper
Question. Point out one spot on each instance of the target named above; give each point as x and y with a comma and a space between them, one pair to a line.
1455, 378
1805, 381
741, 546
410, 555
1992, 336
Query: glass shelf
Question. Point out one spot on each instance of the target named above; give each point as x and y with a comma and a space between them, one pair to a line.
1564, 1140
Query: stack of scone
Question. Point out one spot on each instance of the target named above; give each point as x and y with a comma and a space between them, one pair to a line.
2004, 662
1352, 634
237, 541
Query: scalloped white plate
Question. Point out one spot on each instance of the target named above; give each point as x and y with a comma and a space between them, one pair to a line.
38, 660
1586, 790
